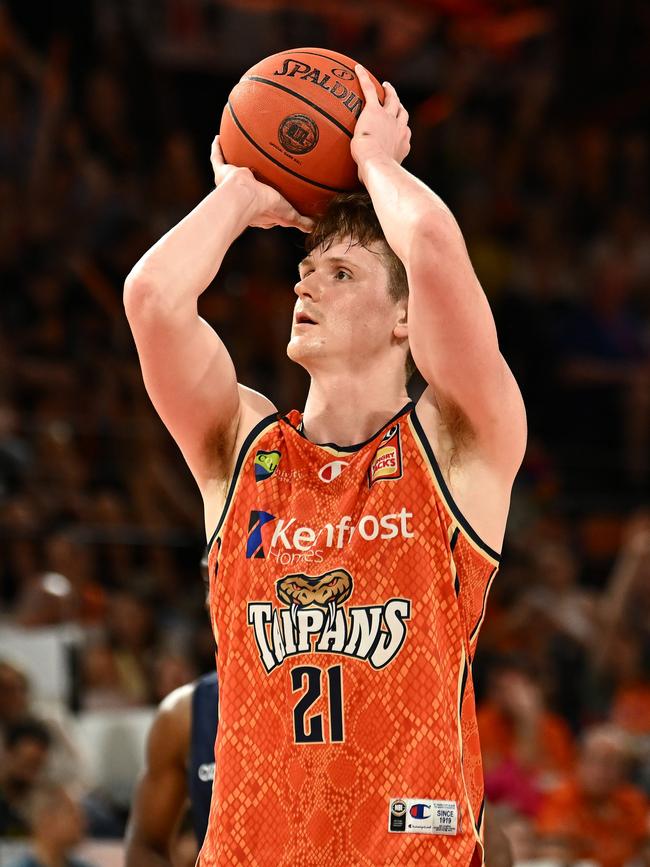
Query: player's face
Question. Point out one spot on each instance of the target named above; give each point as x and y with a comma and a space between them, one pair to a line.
343, 312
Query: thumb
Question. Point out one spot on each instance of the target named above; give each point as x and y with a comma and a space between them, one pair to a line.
297, 220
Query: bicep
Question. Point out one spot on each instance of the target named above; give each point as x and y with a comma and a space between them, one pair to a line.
454, 343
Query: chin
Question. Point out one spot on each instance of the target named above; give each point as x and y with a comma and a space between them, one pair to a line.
301, 350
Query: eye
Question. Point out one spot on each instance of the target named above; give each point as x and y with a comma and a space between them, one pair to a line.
342, 275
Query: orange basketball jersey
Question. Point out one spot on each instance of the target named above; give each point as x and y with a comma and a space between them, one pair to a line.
347, 592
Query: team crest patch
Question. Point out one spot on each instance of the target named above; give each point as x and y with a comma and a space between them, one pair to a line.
313, 618
387, 462
266, 463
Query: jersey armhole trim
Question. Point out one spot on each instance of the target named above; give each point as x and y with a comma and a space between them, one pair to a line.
425, 447
246, 446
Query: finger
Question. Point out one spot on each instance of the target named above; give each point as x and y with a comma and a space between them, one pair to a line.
367, 85
403, 115
216, 154
289, 216
391, 100
305, 224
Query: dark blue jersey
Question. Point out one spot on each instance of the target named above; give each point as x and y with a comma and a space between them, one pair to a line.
205, 718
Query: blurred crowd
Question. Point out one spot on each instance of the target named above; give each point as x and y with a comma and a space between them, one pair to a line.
531, 124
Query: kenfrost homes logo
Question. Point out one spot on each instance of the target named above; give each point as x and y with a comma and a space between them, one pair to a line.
289, 542
315, 621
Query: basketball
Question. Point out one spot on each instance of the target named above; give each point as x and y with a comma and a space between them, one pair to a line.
291, 118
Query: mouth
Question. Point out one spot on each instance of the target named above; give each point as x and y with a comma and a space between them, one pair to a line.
303, 319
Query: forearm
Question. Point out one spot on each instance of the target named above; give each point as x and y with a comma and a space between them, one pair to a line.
141, 854
407, 207
447, 306
185, 261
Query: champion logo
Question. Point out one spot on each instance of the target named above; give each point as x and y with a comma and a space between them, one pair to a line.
331, 471
420, 811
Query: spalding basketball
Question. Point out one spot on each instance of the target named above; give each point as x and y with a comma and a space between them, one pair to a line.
291, 119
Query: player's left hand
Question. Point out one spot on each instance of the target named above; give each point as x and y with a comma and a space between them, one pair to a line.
381, 130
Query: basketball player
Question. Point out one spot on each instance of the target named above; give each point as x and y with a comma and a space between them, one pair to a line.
179, 766
351, 545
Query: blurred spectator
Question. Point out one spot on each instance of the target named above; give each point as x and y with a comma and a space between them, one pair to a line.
520, 832
556, 621
526, 749
64, 764
625, 606
27, 745
68, 591
117, 664
14, 695
57, 826
595, 814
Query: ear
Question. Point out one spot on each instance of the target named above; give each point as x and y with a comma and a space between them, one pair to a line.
401, 329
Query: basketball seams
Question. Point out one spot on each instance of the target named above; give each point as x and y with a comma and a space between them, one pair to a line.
299, 96
277, 162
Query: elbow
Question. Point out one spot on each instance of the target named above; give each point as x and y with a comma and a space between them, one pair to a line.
141, 293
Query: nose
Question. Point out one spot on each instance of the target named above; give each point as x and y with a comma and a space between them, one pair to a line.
307, 288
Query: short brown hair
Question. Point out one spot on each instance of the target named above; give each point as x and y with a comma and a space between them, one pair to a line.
351, 215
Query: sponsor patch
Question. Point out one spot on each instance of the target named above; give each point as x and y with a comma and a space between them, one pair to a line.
266, 463
291, 543
422, 816
386, 465
331, 471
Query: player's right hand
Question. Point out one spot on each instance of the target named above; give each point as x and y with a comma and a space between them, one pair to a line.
269, 207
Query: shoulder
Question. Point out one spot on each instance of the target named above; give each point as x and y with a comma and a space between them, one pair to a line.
169, 735
178, 704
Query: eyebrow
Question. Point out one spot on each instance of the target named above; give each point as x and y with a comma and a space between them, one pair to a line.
333, 260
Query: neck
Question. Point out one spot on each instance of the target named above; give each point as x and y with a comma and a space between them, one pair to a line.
348, 410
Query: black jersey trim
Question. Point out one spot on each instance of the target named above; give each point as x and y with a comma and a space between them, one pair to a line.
463, 684
355, 448
486, 593
243, 451
449, 500
479, 821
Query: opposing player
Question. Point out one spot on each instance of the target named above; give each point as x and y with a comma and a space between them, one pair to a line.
179, 771
349, 573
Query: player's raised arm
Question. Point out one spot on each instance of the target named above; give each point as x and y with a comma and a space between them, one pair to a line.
451, 330
187, 370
